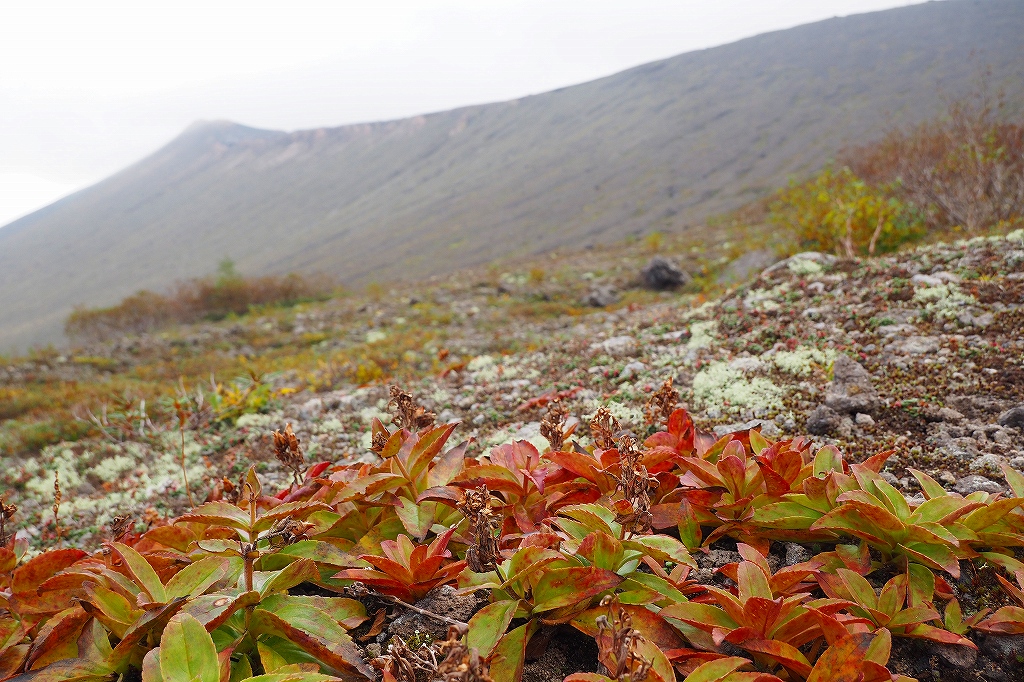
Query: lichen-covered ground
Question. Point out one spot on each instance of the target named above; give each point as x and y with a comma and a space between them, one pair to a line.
937, 331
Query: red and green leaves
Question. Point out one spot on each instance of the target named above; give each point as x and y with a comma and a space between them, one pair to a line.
407, 571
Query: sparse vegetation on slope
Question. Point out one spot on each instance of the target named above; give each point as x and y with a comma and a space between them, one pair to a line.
587, 526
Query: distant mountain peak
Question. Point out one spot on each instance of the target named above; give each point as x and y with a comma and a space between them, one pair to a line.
656, 148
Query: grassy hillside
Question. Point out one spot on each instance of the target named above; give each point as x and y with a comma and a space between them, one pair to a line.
658, 147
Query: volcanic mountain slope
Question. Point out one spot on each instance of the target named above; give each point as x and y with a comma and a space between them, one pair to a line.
657, 147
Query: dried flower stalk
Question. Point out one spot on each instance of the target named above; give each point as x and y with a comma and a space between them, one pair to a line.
661, 404
635, 485
603, 428
483, 554
617, 644
288, 452
552, 427
7, 512
408, 413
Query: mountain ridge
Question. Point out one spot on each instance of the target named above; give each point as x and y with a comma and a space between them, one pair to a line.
660, 146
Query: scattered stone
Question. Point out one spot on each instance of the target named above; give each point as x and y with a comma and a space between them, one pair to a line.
601, 295
768, 428
863, 419
1013, 417
798, 262
890, 478
981, 321
796, 554
943, 414
987, 464
1006, 649
661, 274
973, 484
957, 655
1004, 437
740, 269
823, 421
479, 419
925, 280
947, 477
717, 558
919, 345
851, 390
617, 346
631, 370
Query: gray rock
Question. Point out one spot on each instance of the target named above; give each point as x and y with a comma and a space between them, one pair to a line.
601, 295
823, 421
925, 280
796, 554
768, 428
948, 414
717, 558
660, 273
822, 259
919, 345
973, 484
631, 370
956, 655
617, 346
863, 419
1013, 417
1004, 436
1006, 649
987, 464
446, 417
851, 390
890, 478
740, 269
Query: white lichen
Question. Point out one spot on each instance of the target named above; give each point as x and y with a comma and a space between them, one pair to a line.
720, 386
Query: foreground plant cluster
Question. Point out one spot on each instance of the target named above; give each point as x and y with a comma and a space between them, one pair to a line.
602, 539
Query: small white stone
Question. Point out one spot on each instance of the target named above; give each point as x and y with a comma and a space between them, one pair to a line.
864, 420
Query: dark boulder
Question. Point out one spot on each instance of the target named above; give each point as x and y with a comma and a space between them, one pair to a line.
662, 274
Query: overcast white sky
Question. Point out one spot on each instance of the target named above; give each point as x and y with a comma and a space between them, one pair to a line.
88, 87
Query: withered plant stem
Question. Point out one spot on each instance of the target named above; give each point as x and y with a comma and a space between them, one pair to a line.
184, 474
424, 612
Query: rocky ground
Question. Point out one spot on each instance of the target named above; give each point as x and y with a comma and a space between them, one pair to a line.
919, 352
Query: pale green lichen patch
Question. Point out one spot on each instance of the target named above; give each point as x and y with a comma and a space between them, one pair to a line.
718, 385
802, 361
943, 301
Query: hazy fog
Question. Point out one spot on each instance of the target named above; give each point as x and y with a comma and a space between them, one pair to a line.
86, 89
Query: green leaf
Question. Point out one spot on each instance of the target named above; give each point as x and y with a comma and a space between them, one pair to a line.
293, 677
196, 578
713, 671
151, 666
510, 654
187, 652
752, 582
932, 488
295, 573
572, 585
218, 514
142, 572
416, 518
488, 625
346, 612
662, 548
317, 634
